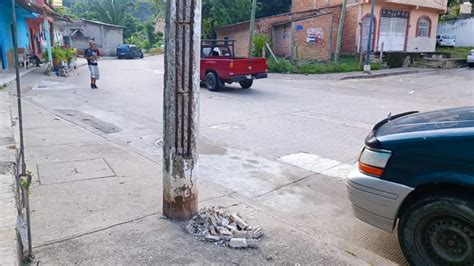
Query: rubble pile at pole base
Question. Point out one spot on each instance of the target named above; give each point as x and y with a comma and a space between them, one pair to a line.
217, 226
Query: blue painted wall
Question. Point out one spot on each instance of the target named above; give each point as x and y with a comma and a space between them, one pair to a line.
6, 41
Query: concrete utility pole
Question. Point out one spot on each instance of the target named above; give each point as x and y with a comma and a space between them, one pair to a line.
340, 31
181, 108
252, 23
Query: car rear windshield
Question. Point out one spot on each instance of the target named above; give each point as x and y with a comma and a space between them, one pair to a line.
123, 46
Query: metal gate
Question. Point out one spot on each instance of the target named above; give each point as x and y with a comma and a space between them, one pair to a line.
393, 29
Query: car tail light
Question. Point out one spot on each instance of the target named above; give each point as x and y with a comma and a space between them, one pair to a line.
231, 65
373, 162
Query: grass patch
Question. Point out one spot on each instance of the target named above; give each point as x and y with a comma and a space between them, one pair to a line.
3, 86
456, 52
346, 64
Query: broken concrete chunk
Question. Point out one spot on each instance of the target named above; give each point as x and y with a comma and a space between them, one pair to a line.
256, 233
238, 243
242, 234
211, 238
217, 226
252, 243
212, 230
239, 221
224, 231
225, 222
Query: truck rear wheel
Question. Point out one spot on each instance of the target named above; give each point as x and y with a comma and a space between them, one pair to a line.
246, 84
212, 81
438, 231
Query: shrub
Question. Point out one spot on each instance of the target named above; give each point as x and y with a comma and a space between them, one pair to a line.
58, 53
283, 66
259, 43
69, 54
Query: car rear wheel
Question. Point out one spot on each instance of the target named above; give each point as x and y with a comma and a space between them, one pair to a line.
438, 231
212, 81
471, 65
246, 84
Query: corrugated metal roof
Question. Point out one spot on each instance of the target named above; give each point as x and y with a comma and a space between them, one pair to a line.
102, 23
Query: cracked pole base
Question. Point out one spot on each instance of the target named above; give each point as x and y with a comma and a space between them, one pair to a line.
181, 108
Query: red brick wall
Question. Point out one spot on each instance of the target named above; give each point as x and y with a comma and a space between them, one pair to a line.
240, 33
320, 50
281, 34
349, 42
281, 40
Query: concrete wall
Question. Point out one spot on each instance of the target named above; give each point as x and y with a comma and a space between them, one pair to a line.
463, 29
106, 37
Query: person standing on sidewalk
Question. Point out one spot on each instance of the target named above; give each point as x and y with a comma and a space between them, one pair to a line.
92, 55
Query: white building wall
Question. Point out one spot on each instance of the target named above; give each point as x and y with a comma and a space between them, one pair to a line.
463, 29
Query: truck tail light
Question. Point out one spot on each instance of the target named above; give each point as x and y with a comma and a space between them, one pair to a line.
373, 162
231, 65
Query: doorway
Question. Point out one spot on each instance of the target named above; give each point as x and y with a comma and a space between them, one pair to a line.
393, 30
3, 59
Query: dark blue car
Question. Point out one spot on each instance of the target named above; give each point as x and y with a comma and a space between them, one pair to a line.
418, 169
129, 51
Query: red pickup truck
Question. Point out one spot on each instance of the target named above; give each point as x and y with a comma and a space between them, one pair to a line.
219, 66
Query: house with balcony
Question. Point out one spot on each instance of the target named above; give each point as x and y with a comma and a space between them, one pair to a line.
309, 30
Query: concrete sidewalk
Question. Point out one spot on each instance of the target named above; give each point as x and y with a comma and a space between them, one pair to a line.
9, 248
353, 75
95, 201
9, 76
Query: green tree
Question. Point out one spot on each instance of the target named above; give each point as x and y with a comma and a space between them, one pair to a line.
107, 11
272, 7
218, 13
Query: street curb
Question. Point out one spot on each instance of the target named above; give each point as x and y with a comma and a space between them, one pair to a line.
380, 75
9, 241
9, 80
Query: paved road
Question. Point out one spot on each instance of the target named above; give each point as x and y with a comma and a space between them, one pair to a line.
253, 141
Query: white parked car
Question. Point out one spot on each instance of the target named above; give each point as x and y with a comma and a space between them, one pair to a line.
446, 40
470, 58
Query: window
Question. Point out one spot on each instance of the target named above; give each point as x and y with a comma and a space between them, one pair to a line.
423, 27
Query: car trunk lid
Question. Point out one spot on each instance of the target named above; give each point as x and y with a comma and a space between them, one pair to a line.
422, 124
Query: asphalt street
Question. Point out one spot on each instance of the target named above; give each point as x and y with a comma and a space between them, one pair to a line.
286, 143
